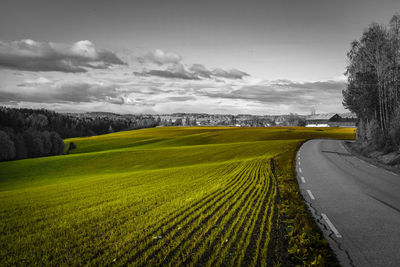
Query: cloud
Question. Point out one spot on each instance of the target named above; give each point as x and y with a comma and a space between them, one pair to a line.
173, 68
319, 85
40, 80
73, 92
85, 107
115, 100
299, 95
200, 70
181, 98
166, 87
195, 72
180, 95
176, 71
160, 57
230, 74
35, 82
41, 56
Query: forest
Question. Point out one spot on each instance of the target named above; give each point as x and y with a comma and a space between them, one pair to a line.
29, 133
373, 90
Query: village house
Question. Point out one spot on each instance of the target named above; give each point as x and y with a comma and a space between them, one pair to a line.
332, 120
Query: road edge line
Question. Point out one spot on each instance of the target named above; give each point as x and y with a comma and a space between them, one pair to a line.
310, 194
330, 224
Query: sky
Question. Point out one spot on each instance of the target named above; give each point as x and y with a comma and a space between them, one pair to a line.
236, 57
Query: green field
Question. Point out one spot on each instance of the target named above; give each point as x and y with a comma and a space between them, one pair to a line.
171, 196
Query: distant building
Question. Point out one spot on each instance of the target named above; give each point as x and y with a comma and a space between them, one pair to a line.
332, 120
344, 120
320, 120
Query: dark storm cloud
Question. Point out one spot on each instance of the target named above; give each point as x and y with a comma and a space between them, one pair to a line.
68, 92
41, 56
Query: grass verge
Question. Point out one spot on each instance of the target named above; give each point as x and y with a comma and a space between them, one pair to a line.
304, 242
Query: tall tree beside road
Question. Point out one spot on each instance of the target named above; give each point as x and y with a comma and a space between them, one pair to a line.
373, 91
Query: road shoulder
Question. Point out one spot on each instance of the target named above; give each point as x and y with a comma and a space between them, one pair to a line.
348, 146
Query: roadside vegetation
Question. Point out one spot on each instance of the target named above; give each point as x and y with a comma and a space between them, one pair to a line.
373, 90
171, 196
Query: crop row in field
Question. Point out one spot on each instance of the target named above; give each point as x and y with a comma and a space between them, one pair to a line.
224, 226
223, 220
171, 196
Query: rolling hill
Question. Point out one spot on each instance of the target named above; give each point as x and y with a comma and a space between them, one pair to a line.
171, 195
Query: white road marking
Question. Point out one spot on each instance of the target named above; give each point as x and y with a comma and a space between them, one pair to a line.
303, 180
310, 194
330, 224
299, 163
299, 169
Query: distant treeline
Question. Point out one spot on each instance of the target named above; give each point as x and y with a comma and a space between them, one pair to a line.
373, 90
29, 144
27, 133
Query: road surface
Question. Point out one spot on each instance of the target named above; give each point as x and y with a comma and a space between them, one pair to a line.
356, 204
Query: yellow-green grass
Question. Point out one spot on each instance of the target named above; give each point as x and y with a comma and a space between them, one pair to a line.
173, 195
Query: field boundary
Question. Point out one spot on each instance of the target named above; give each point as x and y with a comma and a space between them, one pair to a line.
303, 238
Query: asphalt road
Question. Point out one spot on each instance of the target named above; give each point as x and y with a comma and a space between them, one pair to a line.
356, 204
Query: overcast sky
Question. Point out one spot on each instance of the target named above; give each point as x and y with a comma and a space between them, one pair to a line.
259, 57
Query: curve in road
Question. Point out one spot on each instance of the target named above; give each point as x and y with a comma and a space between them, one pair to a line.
356, 204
